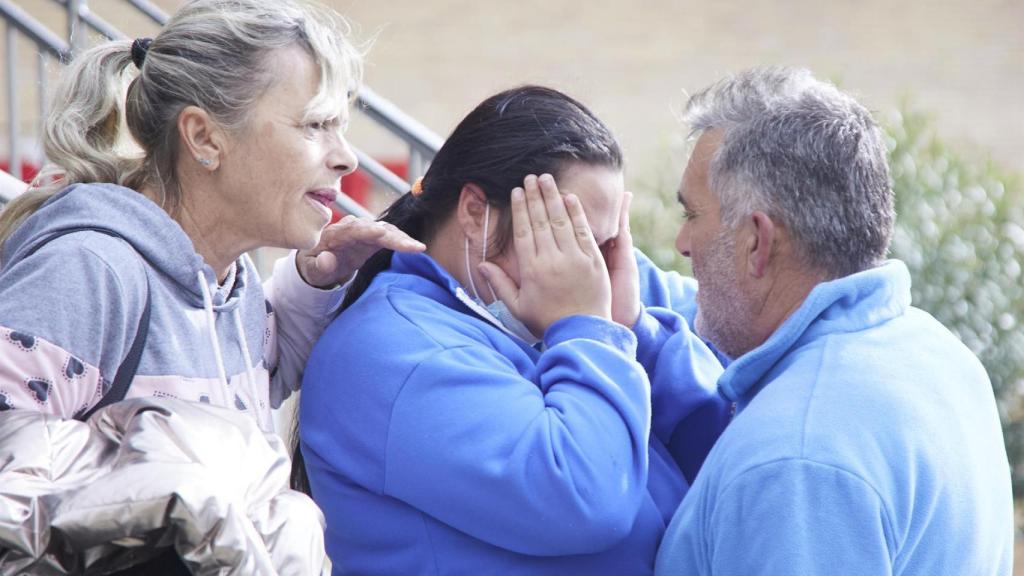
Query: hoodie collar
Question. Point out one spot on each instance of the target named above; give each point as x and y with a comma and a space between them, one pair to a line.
226, 295
140, 221
446, 289
846, 304
423, 266
443, 286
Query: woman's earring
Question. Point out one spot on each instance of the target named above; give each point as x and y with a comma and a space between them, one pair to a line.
206, 162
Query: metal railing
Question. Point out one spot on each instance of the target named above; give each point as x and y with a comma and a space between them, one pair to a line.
421, 141
87, 17
48, 45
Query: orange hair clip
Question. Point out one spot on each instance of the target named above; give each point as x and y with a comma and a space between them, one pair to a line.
417, 187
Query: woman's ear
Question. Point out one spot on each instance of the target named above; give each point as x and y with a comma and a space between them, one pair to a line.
201, 136
472, 209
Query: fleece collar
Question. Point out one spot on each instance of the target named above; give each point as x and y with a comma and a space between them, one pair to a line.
846, 304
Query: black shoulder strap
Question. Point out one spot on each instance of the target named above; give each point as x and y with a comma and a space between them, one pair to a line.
130, 365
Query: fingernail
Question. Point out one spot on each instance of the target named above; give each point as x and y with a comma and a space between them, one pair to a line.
483, 270
547, 178
517, 193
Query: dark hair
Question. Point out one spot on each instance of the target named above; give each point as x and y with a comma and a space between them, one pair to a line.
525, 130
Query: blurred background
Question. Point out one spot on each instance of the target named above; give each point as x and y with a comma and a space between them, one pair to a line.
944, 77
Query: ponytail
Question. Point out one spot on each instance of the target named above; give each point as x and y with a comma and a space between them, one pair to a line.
81, 136
214, 54
406, 214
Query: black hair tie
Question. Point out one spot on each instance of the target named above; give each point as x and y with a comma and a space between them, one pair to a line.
139, 48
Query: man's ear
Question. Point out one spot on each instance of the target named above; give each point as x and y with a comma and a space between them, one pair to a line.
471, 210
760, 243
202, 138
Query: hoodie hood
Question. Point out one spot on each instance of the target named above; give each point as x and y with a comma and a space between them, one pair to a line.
147, 227
205, 342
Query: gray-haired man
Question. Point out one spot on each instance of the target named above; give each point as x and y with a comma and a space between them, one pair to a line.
866, 439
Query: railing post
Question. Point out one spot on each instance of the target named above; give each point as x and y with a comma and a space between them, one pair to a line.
76, 32
423, 143
42, 63
151, 10
14, 148
416, 164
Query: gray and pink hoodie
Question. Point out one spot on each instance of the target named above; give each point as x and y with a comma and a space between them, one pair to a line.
70, 310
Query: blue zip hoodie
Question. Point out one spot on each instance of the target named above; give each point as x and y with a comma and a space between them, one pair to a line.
438, 443
69, 312
866, 442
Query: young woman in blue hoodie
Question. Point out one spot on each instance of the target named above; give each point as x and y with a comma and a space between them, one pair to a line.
486, 407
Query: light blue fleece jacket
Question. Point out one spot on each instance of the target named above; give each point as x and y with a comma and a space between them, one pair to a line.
437, 443
866, 442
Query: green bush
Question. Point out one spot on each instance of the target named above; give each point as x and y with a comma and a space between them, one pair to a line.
656, 215
960, 230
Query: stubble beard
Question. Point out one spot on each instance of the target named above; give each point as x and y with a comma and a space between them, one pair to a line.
723, 313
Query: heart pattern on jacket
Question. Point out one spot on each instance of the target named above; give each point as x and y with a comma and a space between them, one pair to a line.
40, 389
25, 341
74, 368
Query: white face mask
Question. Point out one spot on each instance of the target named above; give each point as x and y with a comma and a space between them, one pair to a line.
497, 308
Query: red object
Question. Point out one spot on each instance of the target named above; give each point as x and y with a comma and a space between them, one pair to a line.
28, 169
359, 184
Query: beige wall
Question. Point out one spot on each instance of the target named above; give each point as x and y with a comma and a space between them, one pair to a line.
632, 62
116, 12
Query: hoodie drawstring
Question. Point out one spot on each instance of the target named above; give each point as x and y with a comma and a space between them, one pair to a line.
212, 331
211, 328
245, 346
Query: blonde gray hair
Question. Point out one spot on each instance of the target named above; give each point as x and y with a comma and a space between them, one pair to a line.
806, 153
213, 54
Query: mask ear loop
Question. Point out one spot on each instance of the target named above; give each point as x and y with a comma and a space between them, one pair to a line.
483, 258
469, 272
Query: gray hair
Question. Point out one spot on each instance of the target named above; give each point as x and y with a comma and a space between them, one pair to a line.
804, 153
214, 54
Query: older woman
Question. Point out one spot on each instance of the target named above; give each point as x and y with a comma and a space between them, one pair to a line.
125, 276
239, 108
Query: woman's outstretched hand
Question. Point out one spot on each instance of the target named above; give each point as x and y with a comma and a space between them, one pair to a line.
561, 270
622, 270
346, 245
